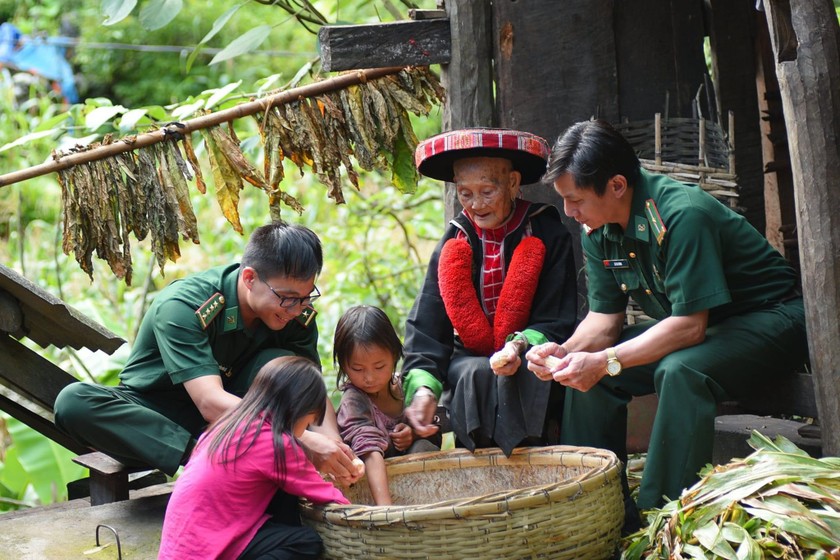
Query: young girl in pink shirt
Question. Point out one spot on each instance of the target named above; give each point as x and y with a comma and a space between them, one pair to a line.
218, 507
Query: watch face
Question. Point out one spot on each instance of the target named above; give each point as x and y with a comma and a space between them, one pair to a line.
613, 368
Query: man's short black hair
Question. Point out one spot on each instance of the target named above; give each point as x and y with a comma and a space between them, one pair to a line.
592, 152
281, 249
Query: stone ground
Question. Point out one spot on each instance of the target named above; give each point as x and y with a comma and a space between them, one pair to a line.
67, 530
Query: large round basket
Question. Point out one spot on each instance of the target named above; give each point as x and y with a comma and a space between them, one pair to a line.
544, 502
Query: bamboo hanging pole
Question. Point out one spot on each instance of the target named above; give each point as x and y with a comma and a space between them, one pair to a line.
198, 123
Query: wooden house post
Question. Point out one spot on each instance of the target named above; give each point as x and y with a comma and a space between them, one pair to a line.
806, 44
468, 78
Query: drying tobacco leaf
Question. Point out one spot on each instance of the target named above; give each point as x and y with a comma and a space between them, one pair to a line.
139, 222
188, 150
355, 119
125, 209
404, 96
339, 133
299, 149
274, 199
106, 229
229, 147
228, 181
88, 207
326, 162
272, 152
173, 169
163, 226
272, 132
377, 113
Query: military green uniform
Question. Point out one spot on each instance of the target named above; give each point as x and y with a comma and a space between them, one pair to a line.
684, 252
193, 328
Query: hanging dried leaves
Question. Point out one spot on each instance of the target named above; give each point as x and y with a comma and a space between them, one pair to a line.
146, 192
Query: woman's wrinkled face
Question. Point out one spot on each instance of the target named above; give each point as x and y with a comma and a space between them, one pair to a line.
486, 188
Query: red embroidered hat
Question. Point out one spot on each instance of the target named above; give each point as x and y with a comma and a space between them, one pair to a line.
528, 152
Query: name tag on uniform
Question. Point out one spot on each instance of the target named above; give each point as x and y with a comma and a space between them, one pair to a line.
616, 263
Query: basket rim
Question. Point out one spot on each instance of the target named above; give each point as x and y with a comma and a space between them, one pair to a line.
604, 468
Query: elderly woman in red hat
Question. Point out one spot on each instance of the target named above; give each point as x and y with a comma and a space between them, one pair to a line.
501, 279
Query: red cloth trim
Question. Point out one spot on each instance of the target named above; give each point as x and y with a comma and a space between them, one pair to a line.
514, 306
491, 241
471, 138
459, 297
461, 301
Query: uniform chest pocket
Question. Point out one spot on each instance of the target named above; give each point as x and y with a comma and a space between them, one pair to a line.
627, 280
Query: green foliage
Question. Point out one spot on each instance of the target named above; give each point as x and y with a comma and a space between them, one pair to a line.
36, 470
776, 503
134, 77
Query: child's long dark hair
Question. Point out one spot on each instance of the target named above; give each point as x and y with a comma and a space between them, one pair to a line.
284, 391
363, 325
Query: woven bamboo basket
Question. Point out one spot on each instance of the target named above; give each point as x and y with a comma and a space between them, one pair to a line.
688, 150
558, 502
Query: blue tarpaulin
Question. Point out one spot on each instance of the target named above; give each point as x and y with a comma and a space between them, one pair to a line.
39, 57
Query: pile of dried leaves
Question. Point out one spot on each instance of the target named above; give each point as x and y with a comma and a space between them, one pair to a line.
145, 192
777, 503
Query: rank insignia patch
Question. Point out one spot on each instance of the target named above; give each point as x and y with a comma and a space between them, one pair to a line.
306, 316
210, 308
657, 226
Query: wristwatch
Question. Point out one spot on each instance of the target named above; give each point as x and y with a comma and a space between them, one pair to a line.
613, 365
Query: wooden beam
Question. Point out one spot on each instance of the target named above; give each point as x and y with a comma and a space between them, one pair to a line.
468, 78
401, 43
417, 14
30, 375
806, 44
11, 315
40, 424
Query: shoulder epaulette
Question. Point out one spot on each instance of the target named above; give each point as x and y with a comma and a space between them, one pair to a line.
306, 316
656, 223
210, 308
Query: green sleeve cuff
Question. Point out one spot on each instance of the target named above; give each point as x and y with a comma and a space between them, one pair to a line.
533, 337
417, 378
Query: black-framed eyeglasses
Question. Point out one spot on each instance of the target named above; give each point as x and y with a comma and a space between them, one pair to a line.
287, 302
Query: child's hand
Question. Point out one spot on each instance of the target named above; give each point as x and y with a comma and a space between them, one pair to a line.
402, 436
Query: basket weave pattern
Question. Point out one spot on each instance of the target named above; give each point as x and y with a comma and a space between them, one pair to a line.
556, 502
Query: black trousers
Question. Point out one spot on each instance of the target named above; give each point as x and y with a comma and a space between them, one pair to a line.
283, 537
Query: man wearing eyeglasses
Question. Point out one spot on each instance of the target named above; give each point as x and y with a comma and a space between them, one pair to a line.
199, 346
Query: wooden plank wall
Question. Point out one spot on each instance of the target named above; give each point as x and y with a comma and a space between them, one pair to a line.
468, 78
732, 35
659, 55
562, 71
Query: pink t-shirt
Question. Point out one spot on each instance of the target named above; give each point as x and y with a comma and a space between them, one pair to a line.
215, 510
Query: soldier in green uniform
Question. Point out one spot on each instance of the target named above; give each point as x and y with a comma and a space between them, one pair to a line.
726, 309
199, 346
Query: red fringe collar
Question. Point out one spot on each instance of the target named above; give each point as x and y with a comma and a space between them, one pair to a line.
462, 303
